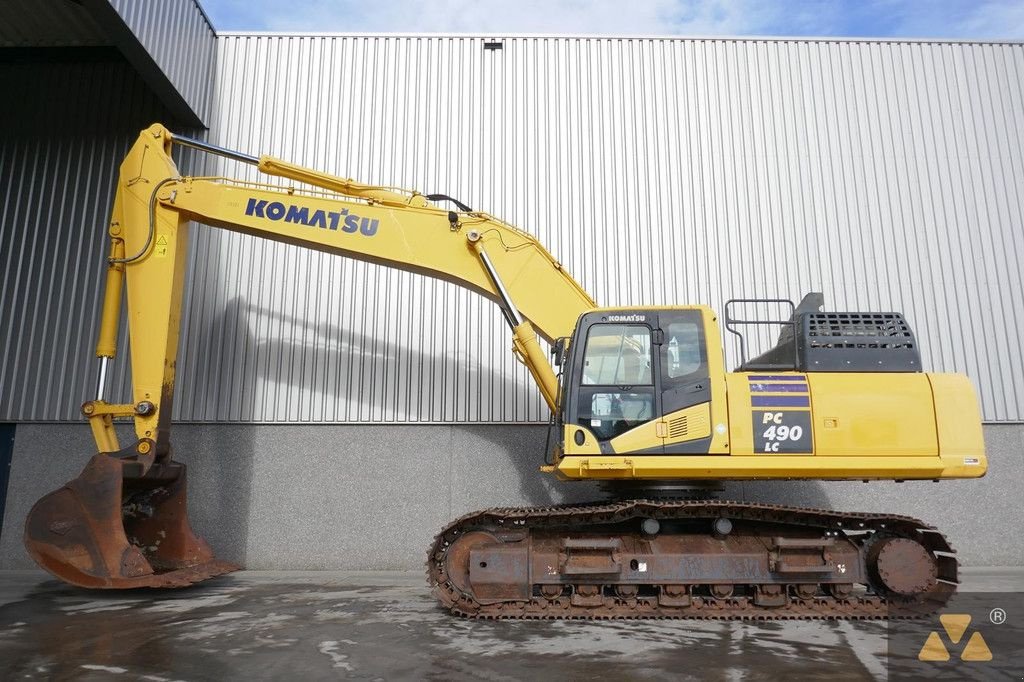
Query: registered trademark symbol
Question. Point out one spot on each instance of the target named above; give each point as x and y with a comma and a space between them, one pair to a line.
997, 616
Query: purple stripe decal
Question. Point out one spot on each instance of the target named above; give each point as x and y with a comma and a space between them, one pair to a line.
777, 377
780, 401
778, 388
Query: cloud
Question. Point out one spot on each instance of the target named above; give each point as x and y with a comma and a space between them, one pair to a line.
882, 18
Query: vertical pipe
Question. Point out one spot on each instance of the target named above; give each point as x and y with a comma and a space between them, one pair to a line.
102, 380
110, 321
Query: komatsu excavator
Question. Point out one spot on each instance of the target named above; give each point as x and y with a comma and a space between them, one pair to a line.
640, 399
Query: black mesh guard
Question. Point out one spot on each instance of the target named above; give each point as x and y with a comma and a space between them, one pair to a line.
857, 342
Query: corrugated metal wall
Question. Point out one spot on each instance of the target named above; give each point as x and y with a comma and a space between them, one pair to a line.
57, 177
886, 174
181, 40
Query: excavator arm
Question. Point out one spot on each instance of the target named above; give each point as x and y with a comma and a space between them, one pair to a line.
401, 230
81, 532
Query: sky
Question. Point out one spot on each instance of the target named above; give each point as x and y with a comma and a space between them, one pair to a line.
963, 19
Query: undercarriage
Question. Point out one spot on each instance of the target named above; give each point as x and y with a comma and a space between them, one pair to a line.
689, 559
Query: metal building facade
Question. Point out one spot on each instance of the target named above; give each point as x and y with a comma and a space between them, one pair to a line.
57, 180
179, 39
886, 174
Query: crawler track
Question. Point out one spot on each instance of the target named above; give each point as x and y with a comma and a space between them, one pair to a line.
597, 561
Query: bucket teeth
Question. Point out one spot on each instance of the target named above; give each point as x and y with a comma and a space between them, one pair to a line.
109, 528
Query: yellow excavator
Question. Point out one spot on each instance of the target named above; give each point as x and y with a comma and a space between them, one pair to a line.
640, 401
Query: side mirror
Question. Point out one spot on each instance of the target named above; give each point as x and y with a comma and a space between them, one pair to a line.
558, 350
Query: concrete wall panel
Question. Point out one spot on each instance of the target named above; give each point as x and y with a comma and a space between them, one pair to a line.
372, 497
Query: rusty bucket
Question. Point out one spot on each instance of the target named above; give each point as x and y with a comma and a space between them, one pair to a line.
121, 526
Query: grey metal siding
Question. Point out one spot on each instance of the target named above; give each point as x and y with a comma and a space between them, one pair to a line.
886, 174
57, 180
31, 23
180, 39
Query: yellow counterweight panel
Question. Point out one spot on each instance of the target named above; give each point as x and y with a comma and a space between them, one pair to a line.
873, 414
958, 421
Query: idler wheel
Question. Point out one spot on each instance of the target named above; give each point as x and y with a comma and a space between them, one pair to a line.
457, 557
902, 566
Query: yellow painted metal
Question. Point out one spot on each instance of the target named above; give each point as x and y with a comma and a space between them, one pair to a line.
688, 424
642, 437
346, 186
865, 425
705, 417
655, 433
725, 467
529, 352
101, 416
415, 239
873, 414
720, 417
958, 419
378, 225
606, 467
150, 257
103, 433
589, 446
110, 318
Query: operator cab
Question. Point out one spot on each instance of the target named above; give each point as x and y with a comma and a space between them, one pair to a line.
628, 367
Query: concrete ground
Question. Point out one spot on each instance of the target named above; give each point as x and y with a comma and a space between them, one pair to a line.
385, 626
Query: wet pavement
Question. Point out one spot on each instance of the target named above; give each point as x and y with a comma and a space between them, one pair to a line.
385, 626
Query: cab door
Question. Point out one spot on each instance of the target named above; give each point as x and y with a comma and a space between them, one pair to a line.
617, 376
684, 383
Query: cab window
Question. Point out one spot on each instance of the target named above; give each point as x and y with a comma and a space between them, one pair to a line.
684, 350
614, 412
618, 355
617, 392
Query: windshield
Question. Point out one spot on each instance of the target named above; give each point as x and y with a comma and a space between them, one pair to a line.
618, 355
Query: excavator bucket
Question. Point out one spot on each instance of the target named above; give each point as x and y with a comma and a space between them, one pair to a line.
118, 527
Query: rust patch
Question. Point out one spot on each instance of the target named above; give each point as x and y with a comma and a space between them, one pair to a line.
112, 528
